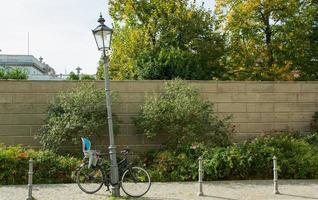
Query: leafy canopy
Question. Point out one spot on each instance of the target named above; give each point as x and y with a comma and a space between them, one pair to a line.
164, 40
268, 39
13, 73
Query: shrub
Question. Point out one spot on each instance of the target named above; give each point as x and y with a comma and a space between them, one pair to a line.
183, 115
86, 77
15, 73
48, 166
80, 112
2, 74
297, 159
83, 77
314, 122
311, 137
72, 76
172, 165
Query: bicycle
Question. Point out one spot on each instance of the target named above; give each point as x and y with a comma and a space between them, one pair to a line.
134, 181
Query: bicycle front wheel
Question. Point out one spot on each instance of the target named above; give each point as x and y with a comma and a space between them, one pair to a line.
135, 182
90, 180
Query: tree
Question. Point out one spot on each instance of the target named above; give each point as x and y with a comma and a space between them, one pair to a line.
73, 76
267, 39
100, 70
82, 77
163, 40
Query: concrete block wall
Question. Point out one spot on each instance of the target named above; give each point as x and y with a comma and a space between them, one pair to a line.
260, 107
256, 107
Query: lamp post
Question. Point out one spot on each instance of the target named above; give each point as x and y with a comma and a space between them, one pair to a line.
78, 69
103, 36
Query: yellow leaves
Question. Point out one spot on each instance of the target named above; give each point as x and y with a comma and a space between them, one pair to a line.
230, 19
248, 6
189, 14
281, 72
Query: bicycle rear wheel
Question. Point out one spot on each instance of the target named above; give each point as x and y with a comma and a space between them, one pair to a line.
135, 182
90, 180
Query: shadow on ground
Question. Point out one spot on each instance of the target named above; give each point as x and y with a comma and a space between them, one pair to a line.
298, 196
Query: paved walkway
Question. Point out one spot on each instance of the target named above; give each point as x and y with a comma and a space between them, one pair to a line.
217, 190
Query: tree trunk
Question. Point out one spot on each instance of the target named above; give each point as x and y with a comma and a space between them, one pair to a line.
268, 40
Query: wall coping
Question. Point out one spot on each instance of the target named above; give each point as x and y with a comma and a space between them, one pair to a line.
156, 81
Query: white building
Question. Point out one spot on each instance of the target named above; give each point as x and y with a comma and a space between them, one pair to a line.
36, 69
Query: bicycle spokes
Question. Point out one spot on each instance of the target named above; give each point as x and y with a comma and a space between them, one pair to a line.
135, 182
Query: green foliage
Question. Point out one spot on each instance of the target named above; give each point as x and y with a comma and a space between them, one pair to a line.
48, 166
164, 40
2, 74
72, 76
80, 112
180, 114
297, 159
179, 164
100, 70
311, 138
314, 122
14, 73
268, 40
86, 77
83, 77
169, 63
241, 40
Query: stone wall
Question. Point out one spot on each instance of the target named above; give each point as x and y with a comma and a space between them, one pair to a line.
257, 107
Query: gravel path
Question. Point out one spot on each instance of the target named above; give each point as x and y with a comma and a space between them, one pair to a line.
216, 190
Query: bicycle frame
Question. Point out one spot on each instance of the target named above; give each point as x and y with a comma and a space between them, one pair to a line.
123, 165
127, 174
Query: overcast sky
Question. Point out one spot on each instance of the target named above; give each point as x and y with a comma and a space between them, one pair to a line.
59, 31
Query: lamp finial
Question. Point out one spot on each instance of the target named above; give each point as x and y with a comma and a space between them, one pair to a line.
101, 20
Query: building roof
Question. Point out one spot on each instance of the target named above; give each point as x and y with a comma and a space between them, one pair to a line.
25, 60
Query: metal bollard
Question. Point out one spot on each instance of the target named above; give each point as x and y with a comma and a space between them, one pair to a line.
30, 179
275, 175
200, 193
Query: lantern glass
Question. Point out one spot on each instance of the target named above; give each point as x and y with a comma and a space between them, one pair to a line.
102, 35
103, 38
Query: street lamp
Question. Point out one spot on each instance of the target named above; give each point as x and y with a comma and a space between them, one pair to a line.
78, 69
103, 36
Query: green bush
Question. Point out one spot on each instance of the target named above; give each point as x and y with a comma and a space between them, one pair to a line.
183, 115
72, 76
83, 77
2, 74
86, 77
172, 165
80, 112
15, 73
297, 159
311, 137
48, 166
314, 122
